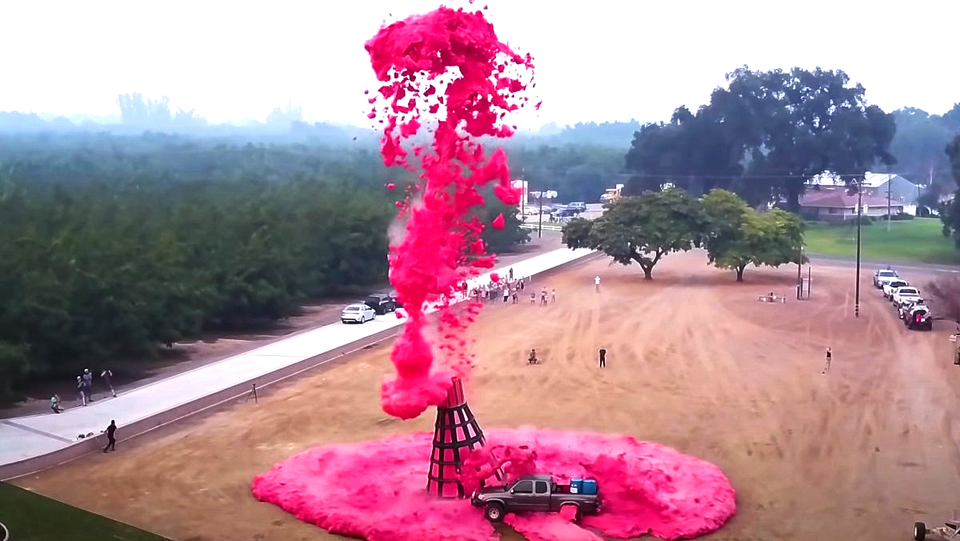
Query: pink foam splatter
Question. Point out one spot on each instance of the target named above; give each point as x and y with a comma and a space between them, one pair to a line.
497, 222
454, 58
494, 277
376, 490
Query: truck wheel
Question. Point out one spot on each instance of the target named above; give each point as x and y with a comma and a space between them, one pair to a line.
494, 512
919, 531
565, 511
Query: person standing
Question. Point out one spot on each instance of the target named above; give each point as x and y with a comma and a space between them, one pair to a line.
511, 274
521, 284
553, 296
55, 404
81, 391
596, 284
506, 294
516, 297
603, 358
829, 358
106, 374
533, 298
88, 384
111, 437
543, 296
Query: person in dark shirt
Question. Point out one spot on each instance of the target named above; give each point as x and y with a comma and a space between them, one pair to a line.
111, 437
603, 358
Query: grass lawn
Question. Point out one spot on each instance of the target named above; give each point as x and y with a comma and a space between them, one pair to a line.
31, 517
908, 240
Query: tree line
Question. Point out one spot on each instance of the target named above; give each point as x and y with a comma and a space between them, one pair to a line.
643, 229
111, 252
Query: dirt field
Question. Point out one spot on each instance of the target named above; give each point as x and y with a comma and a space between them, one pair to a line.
694, 362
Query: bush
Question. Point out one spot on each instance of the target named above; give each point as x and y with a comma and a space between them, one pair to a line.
902, 216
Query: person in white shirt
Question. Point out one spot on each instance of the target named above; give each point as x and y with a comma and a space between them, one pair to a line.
596, 282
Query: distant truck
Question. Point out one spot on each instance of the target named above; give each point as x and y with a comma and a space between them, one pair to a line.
538, 494
612, 194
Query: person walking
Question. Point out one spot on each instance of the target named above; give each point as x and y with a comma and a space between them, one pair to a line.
81, 391
603, 358
522, 283
829, 358
553, 296
55, 404
111, 437
596, 284
543, 296
105, 375
506, 294
516, 297
533, 298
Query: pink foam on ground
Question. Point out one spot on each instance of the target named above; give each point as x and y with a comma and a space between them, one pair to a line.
376, 490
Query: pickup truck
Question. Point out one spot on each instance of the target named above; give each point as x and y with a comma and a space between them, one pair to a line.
884, 275
533, 493
905, 294
891, 286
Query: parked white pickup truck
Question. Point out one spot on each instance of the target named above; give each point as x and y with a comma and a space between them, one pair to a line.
905, 294
882, 276
890, 287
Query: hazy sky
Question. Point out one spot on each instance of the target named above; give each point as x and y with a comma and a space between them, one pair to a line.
596, 60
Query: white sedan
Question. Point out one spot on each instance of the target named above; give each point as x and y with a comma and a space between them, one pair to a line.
357, 313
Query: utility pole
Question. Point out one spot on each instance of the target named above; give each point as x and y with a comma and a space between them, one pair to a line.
523, 197
856, 306
799, 276
540, 218
889, 186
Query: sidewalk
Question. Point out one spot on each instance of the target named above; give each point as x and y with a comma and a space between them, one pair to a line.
23, 438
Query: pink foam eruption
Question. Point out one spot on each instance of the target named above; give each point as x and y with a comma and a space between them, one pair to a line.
451, 60
375, 490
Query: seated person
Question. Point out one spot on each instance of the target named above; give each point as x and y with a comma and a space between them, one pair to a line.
533, 357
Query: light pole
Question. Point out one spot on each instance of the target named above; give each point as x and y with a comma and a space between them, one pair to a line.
856, 304
549, 194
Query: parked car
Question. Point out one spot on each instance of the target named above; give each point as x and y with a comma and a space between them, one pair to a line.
538, 493
891, 286
579, 206
884, 275
905, 294
381, 303
565, 212
357, 313
396, 300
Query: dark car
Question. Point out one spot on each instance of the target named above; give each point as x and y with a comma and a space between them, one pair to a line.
381, 303
396, 300
538, 494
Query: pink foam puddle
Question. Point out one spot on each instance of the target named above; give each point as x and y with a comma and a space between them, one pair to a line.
376, 490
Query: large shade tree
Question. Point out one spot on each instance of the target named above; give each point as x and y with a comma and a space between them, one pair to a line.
765, 135
641, 229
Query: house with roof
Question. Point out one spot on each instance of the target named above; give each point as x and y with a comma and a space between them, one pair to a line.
902, 192
839, 206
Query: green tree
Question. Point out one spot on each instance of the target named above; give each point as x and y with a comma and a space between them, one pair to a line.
950, 213
738, 235
641, 229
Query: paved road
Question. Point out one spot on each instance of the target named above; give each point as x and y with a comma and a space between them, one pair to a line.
871, 264
25, 437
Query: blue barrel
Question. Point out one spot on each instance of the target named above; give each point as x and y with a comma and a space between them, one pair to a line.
576, 486
589, 486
